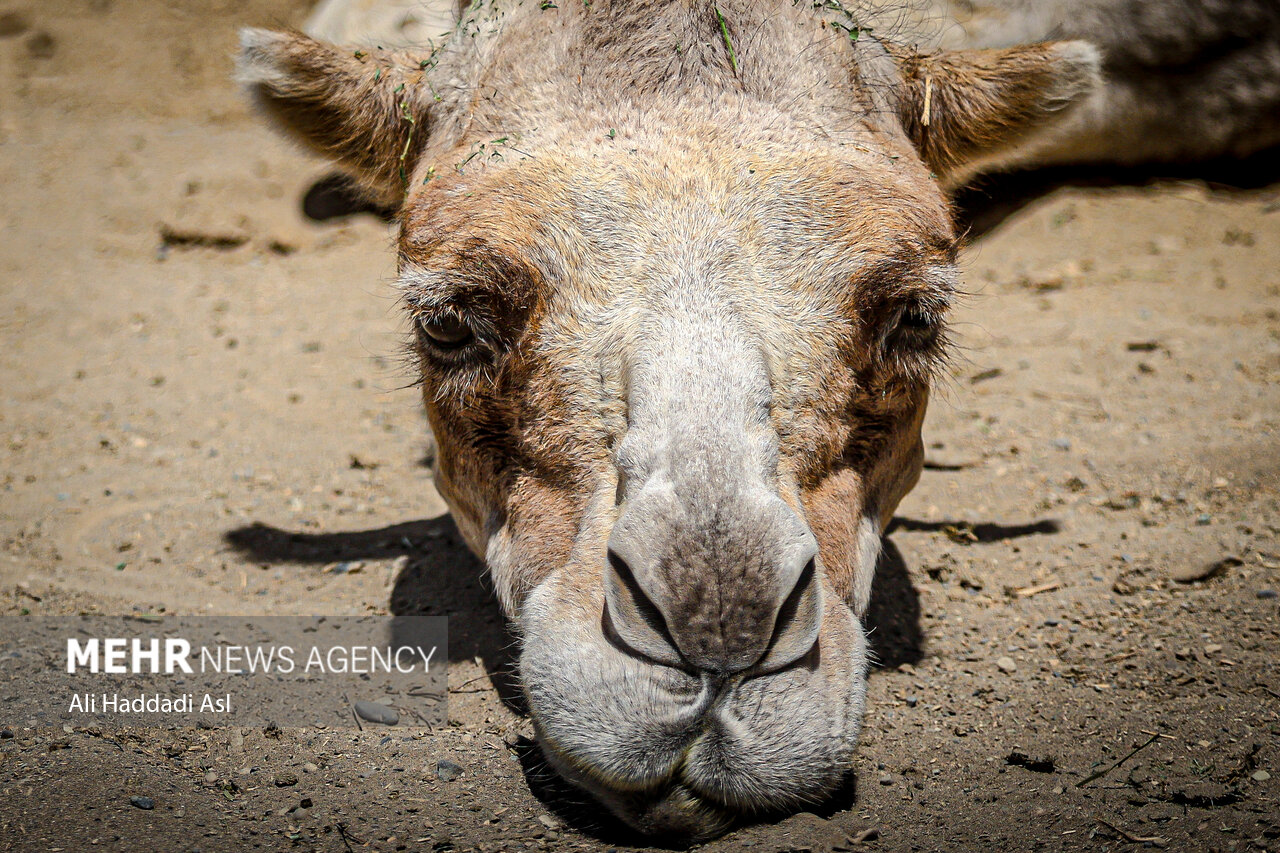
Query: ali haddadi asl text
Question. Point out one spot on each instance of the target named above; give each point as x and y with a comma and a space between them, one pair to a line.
149, 703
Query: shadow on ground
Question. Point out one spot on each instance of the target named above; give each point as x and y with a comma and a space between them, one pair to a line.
982, 206
981, 532
440, 577
893, 615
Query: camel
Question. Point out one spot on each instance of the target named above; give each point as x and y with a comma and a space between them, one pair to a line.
678, 274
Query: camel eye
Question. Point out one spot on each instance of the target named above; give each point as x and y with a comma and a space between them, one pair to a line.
916, 326
447, 332
914, 319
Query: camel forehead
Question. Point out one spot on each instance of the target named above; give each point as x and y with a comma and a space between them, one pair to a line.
606, 221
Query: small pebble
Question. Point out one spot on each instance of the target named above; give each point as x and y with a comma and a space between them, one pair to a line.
5, 734
144, 803
447, 770
1006, 664
1260, 776
1266, 593
309, 768
886, 779
211, 776
912, 701
1062, 443
376, 712
286, 780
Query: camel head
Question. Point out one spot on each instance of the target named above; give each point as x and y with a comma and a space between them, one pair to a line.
678, 275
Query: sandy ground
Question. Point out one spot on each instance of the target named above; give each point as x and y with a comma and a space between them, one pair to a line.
203, 411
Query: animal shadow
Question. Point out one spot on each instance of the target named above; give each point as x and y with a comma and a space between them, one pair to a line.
983, 532
440, 577
892, 619
337, 195
988, 201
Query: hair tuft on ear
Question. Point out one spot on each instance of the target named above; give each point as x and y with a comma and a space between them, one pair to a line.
257, 63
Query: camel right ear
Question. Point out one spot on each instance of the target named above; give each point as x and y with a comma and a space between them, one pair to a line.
965, 109
365, 108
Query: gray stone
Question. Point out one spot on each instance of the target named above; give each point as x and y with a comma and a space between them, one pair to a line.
376, 712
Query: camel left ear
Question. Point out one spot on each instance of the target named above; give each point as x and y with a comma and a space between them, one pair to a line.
964, 109
366, 109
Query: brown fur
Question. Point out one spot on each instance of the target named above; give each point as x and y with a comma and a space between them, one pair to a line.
962, 108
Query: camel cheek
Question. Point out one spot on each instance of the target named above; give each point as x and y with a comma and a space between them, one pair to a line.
834, 510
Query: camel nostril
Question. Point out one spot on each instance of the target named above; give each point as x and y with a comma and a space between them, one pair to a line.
632, 617
799, 619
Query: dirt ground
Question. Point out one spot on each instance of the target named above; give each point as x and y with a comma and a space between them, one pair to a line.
203, 411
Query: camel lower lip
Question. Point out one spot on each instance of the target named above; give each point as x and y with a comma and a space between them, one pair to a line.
667, 807
678, 809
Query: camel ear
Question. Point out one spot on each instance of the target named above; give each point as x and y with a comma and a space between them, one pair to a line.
964, 109
365, 108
